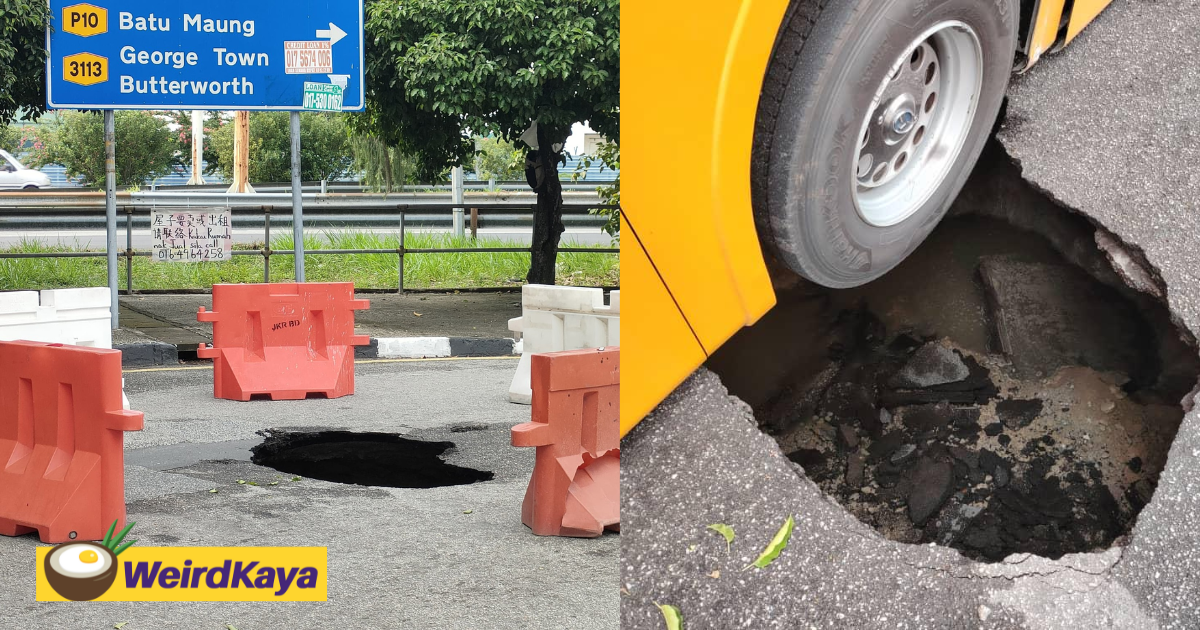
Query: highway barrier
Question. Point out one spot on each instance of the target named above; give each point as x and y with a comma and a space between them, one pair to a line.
79, 317
575, 489
61, 440
555, 318
283, 341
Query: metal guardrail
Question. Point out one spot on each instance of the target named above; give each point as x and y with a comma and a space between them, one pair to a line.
353, 187
312, 200
400, 210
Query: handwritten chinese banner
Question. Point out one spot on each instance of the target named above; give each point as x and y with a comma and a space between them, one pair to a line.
193, 235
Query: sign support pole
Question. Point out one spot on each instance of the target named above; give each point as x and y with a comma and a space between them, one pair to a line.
297, 200
110, 210
456, 195
197, 148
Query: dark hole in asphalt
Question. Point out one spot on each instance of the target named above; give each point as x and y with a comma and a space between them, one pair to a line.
1003, 390
366, 459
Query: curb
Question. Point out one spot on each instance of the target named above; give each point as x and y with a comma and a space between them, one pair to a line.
151, 354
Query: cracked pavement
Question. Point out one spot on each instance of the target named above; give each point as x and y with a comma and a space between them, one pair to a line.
1107, 127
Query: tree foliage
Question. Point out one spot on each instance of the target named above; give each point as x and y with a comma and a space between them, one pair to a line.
440, 70
22, 57
324, 147
11, 138
608, 154
382, 167
146, 147
499, 159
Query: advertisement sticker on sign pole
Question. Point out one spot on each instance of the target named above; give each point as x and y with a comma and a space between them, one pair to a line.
213, 55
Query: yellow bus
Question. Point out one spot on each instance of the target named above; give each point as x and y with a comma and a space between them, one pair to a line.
829, 136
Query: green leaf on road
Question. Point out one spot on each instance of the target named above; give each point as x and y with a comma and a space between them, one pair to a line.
776, 545
120, 625
671, 615
468, 511
725, 531
295, 479
251, 483
229, 627
213, 491
242, 481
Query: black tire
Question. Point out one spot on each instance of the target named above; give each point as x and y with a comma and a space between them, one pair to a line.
802, 173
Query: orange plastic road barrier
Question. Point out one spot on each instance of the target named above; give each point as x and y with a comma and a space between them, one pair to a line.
576, 485
61, 452
282, 340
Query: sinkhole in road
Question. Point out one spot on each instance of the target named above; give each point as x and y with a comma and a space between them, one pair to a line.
1014, 386
365, 459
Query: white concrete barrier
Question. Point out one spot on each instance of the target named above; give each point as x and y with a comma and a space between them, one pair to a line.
557, 318
79, 317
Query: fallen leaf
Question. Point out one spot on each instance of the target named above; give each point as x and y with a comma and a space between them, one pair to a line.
725, 531
242, 481
715, 574
671, 615
251, 483
295, 479
416, 313
213, 491
120, 625
776, 545
468, 511
229, 627
691, 548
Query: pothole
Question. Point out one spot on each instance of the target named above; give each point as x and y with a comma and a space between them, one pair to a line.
1004, 390
366, 459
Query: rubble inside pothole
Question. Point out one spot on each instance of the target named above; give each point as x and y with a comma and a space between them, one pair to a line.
987, 395
973, 456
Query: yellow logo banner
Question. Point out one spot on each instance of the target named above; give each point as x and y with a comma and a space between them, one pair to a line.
83, 571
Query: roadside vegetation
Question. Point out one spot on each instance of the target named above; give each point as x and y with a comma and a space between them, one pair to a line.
421, 271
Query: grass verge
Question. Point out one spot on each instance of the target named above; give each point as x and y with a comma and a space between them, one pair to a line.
421, 271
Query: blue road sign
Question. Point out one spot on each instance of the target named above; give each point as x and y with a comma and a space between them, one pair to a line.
216, 54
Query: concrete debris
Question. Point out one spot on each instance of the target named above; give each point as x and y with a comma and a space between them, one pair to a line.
1051, 316
932, 364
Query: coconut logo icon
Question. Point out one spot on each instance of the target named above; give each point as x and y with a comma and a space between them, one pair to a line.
83, 571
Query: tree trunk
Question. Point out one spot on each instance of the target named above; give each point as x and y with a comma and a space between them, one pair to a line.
547, 215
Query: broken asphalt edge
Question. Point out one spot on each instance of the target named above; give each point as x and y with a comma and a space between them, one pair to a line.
158, 354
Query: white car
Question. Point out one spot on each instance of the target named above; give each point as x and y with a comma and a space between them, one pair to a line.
14, 175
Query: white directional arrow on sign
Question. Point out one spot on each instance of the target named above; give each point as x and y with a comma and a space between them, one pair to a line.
334, 34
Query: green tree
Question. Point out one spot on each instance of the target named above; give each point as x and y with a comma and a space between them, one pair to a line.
324, 147
10, 138
608, 154
439, 71
499, 159
382, 167
146, 147
22, 57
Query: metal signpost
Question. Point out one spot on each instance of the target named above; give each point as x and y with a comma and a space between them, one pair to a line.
214, 55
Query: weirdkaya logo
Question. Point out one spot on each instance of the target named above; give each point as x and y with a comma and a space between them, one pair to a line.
233, 575
82, 571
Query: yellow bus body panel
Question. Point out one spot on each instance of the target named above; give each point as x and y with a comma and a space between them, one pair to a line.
689, 93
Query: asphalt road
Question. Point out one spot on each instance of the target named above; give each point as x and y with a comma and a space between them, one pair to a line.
1109, 128
398, 558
